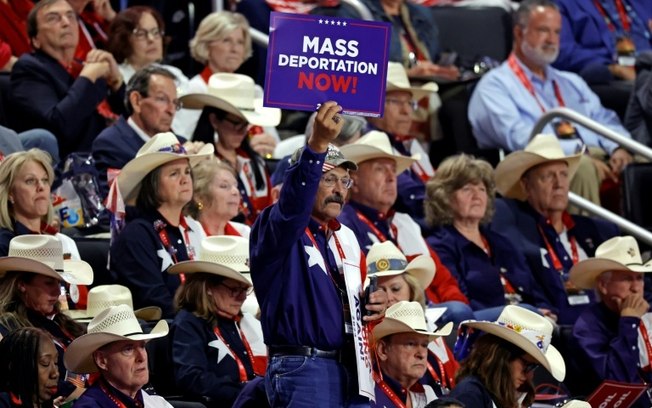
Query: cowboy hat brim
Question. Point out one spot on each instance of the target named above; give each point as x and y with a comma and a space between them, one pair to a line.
360, 153
74, 272
417, 92
208, 267
148, 313
551, 359
393, 326
260, 115
79, 355
133, 173
585, 273
509, 172
422, 268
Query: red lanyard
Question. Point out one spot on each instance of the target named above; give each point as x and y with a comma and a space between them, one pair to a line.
390, 394
375, 229
206, 74
556, 263
241, 368
115, 400
622, 14
165, 240
518, 71
339, 250
646, 339
443, 379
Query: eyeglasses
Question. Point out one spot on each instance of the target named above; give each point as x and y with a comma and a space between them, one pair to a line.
164, 100
238, 291
142, 34
528, 367
412, 104
237, 125
330, 180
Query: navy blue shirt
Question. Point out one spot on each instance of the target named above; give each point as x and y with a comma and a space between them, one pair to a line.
300, 302
479, 274
472, 393
95, 397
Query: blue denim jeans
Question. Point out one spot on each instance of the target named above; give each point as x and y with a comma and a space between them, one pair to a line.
311, 382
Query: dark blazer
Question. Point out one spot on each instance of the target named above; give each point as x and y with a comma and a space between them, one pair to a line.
517, 221
472, 393
45, 95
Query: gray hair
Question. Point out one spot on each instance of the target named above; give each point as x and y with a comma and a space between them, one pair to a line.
522, 14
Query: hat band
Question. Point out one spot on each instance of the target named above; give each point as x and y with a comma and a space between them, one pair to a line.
540, 340
175, 148
385, 264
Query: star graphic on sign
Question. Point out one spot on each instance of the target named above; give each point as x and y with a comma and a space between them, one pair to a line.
222, 349
339, 23
321, 21
326, 22
332, 22
315, 257
344, 23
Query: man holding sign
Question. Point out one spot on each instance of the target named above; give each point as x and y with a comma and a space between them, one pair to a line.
305, 268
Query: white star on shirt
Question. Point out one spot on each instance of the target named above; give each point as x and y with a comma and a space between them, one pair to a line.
373, 238
315, 257
222, 349
165, 257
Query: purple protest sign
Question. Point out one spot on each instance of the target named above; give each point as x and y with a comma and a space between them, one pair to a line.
313, 59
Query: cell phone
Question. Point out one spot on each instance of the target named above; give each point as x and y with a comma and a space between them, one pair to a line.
372, 287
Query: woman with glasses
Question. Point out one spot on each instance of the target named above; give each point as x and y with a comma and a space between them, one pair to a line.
216, 348
499, 359
231, 109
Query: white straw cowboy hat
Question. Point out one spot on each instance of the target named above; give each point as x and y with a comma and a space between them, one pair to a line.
43, 254
407, 317
528, 331
576, 404
221, 255
543, 148
113, 324
160, 149
105, 296
385, 259
236, 94
397, 80
615, 254
376, 145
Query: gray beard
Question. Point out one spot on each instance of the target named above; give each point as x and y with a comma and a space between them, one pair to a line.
536, 56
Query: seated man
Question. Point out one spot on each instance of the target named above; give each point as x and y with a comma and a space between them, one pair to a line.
151, 103
371, 216
115, 347
51, 89
613, 336
533, 216
400, 103
401, 349
509, 100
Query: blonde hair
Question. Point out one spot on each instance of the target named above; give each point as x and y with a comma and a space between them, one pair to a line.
454, 173
9, 168
216, 26
193, 295
203, 175
416, 291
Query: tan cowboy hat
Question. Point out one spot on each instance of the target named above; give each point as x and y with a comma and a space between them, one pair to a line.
615, 254
376, 145
528, 331
334, 158
543, 148
105, 296
576, 404
160, 149
221, 255
385, 259
407, 317
236, 94
397, 80
43, 254
113, 324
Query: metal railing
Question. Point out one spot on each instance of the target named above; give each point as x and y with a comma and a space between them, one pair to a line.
633, 146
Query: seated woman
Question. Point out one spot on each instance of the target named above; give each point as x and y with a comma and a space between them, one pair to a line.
29, 373
159, 182
401, 349
136, 41
216, 349
229, 108
30, 285
489, 270
403, 281
499, 369
217, 199
25, 205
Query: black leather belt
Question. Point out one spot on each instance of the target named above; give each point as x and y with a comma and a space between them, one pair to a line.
303, 351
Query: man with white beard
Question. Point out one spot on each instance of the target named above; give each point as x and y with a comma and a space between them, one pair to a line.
509, 100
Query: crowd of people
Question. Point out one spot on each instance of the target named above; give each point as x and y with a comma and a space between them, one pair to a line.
335, 276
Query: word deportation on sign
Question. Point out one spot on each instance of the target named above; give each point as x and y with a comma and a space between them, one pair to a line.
313, 59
